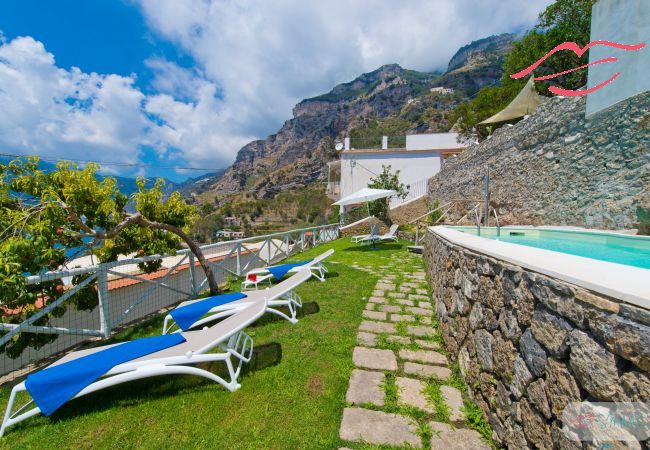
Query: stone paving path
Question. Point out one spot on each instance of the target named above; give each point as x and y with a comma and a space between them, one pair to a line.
395, 360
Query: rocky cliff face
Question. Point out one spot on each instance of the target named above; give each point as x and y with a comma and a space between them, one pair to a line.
297, 153
476, 53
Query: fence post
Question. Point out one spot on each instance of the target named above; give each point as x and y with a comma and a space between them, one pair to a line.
239, 259
302, 241
268, 250
286, 244
104, 302
193, 274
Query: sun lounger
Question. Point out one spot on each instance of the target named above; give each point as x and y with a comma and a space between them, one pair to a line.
374, 231
315, 265
390, 236
282, 294
86, 371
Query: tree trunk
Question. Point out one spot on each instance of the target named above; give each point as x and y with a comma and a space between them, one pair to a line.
193, 246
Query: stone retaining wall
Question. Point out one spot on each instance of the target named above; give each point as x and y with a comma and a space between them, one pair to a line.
362, 227
558, 168
527, 344
409, 211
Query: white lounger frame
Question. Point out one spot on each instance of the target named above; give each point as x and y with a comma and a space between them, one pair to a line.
239, 346
374, 231
282, 294
316, 267
390, 236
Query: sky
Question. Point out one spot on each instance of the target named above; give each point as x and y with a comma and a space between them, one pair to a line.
161, 85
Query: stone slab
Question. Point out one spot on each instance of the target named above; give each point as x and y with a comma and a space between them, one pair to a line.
371, 306
405, 302
426, 371
367, 339
425, 305
402, 318
424, 298
375, 315
411, 284
376, 293
422, 291
373, 358
380, 428
427, 344
410, 393
377, 327
444, 437
454, 399
366, 387
425, 320
419, 331
419, 311
405, 289
399, 339
391, 308
423, 356
385, 286
396, 295
377, 300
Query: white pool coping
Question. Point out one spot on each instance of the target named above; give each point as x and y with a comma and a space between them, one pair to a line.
625, 283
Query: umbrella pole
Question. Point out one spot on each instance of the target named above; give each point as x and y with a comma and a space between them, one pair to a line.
374, 247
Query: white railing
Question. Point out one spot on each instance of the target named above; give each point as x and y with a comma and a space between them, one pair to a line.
126, 294
416, 189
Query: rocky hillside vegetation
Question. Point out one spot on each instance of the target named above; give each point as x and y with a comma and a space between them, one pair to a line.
390, 100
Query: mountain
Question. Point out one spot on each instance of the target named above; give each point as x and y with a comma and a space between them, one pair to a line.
297, 154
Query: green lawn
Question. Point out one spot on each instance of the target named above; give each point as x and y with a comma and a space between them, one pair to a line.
294, 403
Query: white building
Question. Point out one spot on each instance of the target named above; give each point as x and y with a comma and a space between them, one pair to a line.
229, 234
420, 159
442, 90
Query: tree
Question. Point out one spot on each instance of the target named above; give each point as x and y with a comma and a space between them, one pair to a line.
562, 21
45, 214
385, 180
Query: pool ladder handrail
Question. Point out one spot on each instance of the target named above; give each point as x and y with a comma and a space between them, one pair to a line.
478, 221
497, 219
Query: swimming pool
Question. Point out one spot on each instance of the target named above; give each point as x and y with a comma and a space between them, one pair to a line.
612, 247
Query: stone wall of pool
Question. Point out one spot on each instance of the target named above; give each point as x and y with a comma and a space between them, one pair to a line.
528, 344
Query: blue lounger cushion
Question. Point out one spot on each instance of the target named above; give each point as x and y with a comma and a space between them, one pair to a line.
185, 316
52, 387
279, 271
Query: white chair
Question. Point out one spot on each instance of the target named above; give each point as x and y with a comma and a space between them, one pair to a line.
282, 294
316, 267
374, 231
390, 236
228, 335
255, 278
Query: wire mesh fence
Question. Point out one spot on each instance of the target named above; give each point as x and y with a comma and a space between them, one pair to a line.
123, 294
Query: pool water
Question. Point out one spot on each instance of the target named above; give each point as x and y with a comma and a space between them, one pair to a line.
620, 249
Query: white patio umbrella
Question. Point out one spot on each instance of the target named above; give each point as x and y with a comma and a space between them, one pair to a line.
365, 195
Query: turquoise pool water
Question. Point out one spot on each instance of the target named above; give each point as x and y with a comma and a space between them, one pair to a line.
620, 249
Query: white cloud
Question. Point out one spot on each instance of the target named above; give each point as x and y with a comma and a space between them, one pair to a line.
48, 110
254, 61
265, 56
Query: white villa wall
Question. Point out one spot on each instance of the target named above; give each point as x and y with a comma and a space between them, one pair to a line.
625, 22
412, 166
